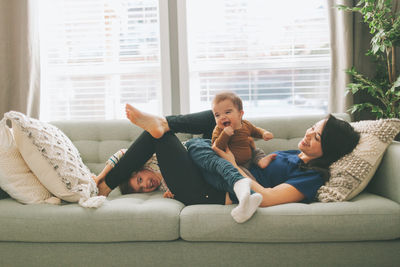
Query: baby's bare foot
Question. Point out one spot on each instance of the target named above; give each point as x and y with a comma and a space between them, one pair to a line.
154, 125
265, 161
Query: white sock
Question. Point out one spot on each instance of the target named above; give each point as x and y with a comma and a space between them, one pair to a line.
242, 190
244, 212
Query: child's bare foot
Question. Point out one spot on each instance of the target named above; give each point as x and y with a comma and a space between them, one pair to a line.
265, 161
154, 125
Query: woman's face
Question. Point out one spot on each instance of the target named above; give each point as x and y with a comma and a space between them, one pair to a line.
145, 181
310, 145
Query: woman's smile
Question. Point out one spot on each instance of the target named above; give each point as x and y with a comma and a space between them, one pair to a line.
304, 142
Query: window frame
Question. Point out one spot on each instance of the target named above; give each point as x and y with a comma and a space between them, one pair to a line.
174, 58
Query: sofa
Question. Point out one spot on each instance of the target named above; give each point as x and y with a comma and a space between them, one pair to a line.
149, 230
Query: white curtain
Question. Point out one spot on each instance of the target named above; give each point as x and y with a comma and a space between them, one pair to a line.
19, 57
341, 26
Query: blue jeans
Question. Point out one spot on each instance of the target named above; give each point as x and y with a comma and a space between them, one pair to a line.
218, 172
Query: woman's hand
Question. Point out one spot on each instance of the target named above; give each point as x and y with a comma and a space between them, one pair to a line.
228, 155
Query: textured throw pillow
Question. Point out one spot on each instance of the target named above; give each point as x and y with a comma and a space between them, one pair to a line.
15, 176
352, 173
53, 158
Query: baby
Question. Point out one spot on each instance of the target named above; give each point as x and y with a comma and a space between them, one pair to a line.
234, 132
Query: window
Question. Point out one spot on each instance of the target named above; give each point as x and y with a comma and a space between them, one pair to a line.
274, 54
97, 55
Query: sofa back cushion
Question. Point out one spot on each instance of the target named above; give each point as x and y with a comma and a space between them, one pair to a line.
98, 140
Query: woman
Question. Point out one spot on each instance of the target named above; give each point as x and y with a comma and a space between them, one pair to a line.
294, 175
324, 143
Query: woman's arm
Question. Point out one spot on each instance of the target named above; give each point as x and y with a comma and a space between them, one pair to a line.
280, 194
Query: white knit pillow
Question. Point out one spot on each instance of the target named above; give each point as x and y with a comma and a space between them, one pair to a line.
53, 158
15, 176
352, 173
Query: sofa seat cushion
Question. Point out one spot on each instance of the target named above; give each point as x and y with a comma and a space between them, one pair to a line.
134, 217
366, 217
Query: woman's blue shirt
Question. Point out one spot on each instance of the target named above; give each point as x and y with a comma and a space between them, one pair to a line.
286, 169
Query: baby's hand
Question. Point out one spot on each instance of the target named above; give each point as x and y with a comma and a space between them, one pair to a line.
229, 130
265, 161
168, 194
267, 136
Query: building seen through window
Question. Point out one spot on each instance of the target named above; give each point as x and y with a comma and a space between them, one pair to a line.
98, 55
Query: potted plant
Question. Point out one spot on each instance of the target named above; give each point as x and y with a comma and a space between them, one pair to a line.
384, 88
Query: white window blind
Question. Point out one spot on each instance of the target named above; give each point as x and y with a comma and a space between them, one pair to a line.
97, 55
274, 54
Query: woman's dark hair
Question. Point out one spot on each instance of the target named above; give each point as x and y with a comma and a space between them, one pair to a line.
338, 138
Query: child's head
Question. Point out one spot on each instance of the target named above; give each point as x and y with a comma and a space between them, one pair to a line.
142, 181
228, 110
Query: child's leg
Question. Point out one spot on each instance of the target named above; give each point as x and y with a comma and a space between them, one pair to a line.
194, 123
135, 157
182, 176
155, 125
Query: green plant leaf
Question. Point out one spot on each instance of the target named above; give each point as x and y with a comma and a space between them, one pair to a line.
385, 29
395, 84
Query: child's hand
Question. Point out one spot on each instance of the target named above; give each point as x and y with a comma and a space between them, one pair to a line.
267, 136
265, 161
168, 194
229, 130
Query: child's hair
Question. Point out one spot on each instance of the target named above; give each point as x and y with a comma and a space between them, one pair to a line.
227, 95
126, 188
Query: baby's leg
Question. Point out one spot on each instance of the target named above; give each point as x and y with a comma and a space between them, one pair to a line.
221, 174
224, 176
244, 211
265, 161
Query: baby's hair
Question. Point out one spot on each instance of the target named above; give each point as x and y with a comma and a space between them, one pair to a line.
227, 95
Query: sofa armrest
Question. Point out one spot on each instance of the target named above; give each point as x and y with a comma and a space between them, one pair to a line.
386, 181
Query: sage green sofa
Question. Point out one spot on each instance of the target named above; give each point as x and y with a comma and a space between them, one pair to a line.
148, 230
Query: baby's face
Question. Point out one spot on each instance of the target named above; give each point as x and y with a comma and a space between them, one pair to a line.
227, 114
